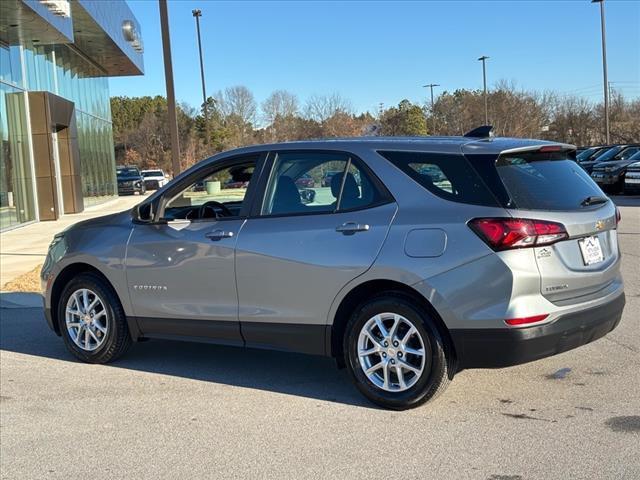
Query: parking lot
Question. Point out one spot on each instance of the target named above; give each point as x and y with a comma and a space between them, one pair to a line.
180, 410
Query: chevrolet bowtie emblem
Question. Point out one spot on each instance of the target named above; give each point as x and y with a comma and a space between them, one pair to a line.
600, 225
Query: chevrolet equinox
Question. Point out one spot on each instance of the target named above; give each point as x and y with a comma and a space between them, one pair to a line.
421, 257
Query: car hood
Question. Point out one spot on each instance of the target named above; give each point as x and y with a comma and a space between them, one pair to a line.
113, 219
128, 179
616, 164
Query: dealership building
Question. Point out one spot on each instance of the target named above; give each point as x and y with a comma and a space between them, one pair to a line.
56, 152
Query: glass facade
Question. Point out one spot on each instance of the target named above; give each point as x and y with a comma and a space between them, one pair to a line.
59, 70
17, 203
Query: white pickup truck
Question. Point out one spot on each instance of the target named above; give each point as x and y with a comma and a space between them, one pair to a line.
154, 179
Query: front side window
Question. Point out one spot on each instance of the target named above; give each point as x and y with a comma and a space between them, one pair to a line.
216, 194
314, 182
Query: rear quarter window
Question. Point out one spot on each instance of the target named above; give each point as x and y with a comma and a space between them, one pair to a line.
448, 176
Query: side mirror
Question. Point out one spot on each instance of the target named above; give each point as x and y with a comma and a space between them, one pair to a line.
142, 213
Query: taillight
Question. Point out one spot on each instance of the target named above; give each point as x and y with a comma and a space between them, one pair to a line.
508, 233
526, 320
618, 216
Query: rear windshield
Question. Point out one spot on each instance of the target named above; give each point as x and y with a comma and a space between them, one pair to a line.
537, 181
448, 176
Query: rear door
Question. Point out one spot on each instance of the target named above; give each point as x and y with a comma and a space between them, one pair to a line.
550, 186
302, 245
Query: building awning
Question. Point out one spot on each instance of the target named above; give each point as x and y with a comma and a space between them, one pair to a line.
106, 33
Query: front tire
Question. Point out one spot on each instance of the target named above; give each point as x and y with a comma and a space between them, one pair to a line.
91, 319
394, 353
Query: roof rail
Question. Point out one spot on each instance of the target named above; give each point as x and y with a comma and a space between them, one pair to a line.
481, 132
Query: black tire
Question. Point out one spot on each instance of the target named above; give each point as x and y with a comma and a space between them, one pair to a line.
439, 368
118, 338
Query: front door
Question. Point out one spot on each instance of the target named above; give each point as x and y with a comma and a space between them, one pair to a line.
180, 269
322, 223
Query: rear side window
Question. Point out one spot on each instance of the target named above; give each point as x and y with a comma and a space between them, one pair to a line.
537, 181
448, 176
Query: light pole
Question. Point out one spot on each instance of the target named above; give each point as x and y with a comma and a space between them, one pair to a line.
197, 14
484, 78
171, 97
430, 86
604, 69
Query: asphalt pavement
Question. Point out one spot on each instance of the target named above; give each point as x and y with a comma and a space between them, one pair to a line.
180, 410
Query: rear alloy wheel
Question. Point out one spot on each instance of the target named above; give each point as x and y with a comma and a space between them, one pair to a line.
391, 352
92, 321
395, 354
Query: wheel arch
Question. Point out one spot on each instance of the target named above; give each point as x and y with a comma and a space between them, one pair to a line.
62, 279
370, 289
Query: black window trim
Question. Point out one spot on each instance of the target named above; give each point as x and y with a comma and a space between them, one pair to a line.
206, 169
267, 171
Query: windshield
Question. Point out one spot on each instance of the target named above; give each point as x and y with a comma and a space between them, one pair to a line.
609, 154
153, 173
587, 153
128, 172
626, 154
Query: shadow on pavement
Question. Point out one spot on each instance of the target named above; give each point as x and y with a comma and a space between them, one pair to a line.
288, 373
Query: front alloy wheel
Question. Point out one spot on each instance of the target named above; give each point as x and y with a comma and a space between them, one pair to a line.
86, 319
91, 319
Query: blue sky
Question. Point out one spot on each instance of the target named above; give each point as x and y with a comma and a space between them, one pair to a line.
372, 52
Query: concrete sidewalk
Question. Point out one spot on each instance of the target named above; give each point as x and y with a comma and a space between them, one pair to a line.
22, 249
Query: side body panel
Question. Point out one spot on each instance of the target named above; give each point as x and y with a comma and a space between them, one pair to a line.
183, 283
289, 269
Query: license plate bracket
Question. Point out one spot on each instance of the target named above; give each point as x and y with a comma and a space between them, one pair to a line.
591, 250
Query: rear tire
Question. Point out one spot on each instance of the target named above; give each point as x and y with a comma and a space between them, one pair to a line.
378, 375
92, 321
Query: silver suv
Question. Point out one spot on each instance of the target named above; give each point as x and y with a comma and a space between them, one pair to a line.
420, 258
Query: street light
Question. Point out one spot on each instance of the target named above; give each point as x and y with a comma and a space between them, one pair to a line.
484, 78
604, 70
197, 13
430, 86
171, 97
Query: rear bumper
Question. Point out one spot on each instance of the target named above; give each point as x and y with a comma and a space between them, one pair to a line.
503, 347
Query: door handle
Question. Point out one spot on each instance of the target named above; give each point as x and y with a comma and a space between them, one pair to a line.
218, 235
350, 228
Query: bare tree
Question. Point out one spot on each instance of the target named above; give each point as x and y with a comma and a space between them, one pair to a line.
322, 107
237, 101
279, 104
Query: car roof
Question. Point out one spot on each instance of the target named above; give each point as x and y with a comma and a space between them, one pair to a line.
493, 145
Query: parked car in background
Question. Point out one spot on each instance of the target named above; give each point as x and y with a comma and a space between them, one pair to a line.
632, 177
402, 280
130, 180
591, 153
326, 180
605, 153
609, 172
231, 183
154, 179
306, 181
